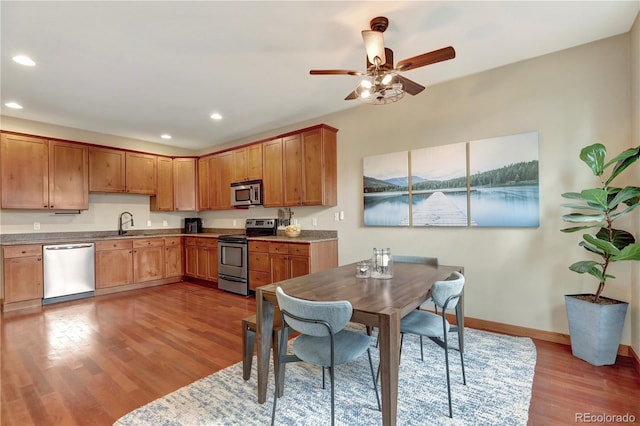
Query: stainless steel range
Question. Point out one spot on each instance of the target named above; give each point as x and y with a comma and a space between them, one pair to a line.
233, 256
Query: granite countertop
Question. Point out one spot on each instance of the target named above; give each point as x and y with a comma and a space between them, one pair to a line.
92, 236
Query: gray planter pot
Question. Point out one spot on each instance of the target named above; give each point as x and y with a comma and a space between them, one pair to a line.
595, 329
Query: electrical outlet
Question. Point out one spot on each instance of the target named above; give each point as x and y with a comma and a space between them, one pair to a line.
336, 216
165, 223
148, 223
341, 214
36, 226
314, 221
235, 223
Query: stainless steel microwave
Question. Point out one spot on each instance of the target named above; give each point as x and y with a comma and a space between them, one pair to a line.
246, 194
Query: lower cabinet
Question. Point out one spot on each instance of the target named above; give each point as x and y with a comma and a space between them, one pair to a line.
22, 273
273, 261
114, 263
201, 258
173, 257
148, 259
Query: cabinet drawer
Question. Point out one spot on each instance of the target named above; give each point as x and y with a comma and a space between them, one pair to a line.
114, 245
172, 241
22, 251
259, 262
257, 279
190, 241
281, 248
262, 246
151, 242
207, 242
299, 249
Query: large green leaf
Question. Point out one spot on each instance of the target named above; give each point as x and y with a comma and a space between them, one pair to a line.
588, 267
593, 156
623, 212
580, 217
624, 160
592, 249
581, 207
597, 196
572, 195
630, 252
603, 245
623, 195
618, 237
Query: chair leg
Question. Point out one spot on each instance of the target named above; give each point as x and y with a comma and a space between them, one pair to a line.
375, 380
464, 378
446, 361
248, 339
421, 350
332, 374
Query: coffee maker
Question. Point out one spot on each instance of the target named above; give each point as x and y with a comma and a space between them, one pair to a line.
192, 225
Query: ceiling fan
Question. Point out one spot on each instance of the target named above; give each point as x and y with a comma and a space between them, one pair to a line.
381, 83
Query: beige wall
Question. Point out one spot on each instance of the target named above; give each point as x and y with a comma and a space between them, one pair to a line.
516, 276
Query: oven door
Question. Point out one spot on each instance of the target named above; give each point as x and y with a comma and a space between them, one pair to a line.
233, 269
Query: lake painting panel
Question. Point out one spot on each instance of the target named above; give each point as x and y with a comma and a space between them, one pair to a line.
439, 186
386, 189
504, 181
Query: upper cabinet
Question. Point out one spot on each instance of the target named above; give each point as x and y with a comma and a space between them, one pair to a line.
184, 184
43, 174
113, 170
204, 202
247, 163
163, 200
221, 176
301, 169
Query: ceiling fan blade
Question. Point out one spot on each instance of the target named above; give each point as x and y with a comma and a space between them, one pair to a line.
334, 72
439, 55
374, 45
351, 96
410, 86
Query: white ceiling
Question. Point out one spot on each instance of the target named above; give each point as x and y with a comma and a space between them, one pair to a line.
140, 69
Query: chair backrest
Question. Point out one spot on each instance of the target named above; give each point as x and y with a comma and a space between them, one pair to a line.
416, 259
442, 290
337, 313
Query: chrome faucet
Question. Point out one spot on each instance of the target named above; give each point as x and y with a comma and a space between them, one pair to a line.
121, 223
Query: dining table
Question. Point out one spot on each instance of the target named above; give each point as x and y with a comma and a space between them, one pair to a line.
379, 303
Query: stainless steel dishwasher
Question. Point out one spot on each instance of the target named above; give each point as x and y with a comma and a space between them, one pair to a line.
69, 272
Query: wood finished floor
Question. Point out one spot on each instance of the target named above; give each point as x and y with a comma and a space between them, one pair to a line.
90, 362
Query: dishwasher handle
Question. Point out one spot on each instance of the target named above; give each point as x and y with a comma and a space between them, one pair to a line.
71, 247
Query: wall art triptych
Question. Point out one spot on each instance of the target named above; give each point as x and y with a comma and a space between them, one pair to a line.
489, 182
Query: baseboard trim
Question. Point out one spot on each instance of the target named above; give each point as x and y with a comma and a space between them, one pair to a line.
548, 336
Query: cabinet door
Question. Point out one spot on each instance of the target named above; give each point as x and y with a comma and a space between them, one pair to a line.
272, 173
254, 162
25, 172
148, 260
68, 176
204, 202
106, 170
240, 164
292, 170
202, 262
191, 260
298, 266
225, 177
141, 173
173, 257
23, 275
312, 168
113, 267
279, 267
184, 184
163, 200
212, 259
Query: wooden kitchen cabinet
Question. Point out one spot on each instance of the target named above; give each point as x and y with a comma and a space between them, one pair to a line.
163, 199
300, 169
43, 174
173, 257
22, 273
148, 259
184, 184
114, 170
204, 199
223, 177
259, 266
273, 188
201, 258
247, 163
289, 260
141, 173
114, 263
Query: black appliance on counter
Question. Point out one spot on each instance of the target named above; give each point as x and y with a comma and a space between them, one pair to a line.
233, 255
192, 225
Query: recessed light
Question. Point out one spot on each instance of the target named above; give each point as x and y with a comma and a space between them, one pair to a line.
216, 116
165, 136
24, 60
13, 105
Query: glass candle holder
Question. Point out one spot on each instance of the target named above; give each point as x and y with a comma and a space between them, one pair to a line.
363, 269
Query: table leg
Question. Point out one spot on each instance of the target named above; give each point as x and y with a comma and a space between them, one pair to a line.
389, 344
264, 330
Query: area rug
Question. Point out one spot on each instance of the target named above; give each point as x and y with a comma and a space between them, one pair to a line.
499, 371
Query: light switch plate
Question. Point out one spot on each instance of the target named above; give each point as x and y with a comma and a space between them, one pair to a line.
148, 223
165, 223
36, 226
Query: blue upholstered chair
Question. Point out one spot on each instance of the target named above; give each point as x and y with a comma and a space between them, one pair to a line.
323, 341
446, 295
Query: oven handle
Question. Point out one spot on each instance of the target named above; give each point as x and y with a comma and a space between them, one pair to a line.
233, 279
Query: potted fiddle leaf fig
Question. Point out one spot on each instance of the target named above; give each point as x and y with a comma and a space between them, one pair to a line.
595, 321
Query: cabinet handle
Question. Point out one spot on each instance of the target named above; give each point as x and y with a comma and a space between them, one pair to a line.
23, 252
